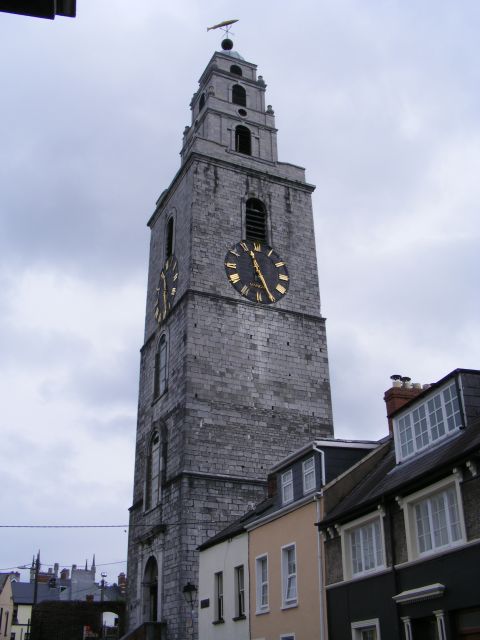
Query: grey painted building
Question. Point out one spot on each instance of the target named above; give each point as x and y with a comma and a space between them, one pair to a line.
234, 368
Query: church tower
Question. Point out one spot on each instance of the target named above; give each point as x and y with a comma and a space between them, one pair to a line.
234, 368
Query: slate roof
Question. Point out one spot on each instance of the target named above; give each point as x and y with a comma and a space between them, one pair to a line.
238, 527
399, 479
23, 592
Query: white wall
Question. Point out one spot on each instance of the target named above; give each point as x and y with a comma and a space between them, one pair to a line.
224, 556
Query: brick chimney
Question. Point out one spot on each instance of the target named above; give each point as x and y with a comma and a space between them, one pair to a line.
122, 582
401, 392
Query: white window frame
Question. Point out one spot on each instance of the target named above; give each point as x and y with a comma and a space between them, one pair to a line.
239, 590
309, 473
287, 636
261, 607
417, 428
408, 505
219, 611
346, 540
287, 484
365, 625
288, 576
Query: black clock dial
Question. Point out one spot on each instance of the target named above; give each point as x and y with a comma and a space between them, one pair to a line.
166, 290
257, 272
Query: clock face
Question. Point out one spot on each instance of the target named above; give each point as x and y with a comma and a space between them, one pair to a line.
257, 272
166, 290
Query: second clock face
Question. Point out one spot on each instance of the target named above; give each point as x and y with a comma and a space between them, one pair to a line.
257, 272
166, 290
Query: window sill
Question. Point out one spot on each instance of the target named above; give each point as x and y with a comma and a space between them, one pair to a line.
293, 605
237, 618
219, 621
262, 612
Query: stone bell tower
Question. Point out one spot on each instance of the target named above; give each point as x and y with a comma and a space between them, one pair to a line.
234, 368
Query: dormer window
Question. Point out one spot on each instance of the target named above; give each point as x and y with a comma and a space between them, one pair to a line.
426, 423
287, 486
308, 468
239, 95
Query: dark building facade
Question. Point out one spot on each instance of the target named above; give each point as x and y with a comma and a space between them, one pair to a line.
234, 369
402, 549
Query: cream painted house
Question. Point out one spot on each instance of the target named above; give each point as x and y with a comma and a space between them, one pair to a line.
6, 604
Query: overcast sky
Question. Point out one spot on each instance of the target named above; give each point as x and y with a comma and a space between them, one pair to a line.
378, 99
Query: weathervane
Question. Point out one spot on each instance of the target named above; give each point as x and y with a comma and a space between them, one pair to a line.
225, 26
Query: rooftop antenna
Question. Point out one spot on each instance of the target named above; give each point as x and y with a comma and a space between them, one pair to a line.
225, 26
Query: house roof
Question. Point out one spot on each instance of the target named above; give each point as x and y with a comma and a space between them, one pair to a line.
238, 526
431, 387
390, 478
23, 592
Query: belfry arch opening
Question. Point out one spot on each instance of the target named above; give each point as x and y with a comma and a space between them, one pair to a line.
239, 95
243, 140
150, 590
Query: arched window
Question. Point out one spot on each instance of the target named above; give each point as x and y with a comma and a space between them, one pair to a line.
170, 237
160, 374
201, 103
239, 95
236, 70
243, 140
255, 220
152, 489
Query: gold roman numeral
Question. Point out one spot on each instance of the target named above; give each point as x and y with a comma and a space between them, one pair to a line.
231, 265
244, 247
281, 289
235, 253
234, 278
282, 276
175, 277
244, 290
259, 296
174, 290
279, 264
257, 246
270, 253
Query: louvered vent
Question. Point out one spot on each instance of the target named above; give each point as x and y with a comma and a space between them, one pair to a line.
256, 221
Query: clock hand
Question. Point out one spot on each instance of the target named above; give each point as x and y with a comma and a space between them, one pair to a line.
260, 275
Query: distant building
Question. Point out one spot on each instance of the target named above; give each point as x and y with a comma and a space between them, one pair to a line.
6, 604
402, 546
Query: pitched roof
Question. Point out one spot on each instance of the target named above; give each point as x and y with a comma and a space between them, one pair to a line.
23, 592
238, 526
390, 478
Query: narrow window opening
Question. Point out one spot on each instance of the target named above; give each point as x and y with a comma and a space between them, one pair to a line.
153, 473
239, 95
170, 233
255, 220
160, 374
236, 70
243, 140
201, 103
